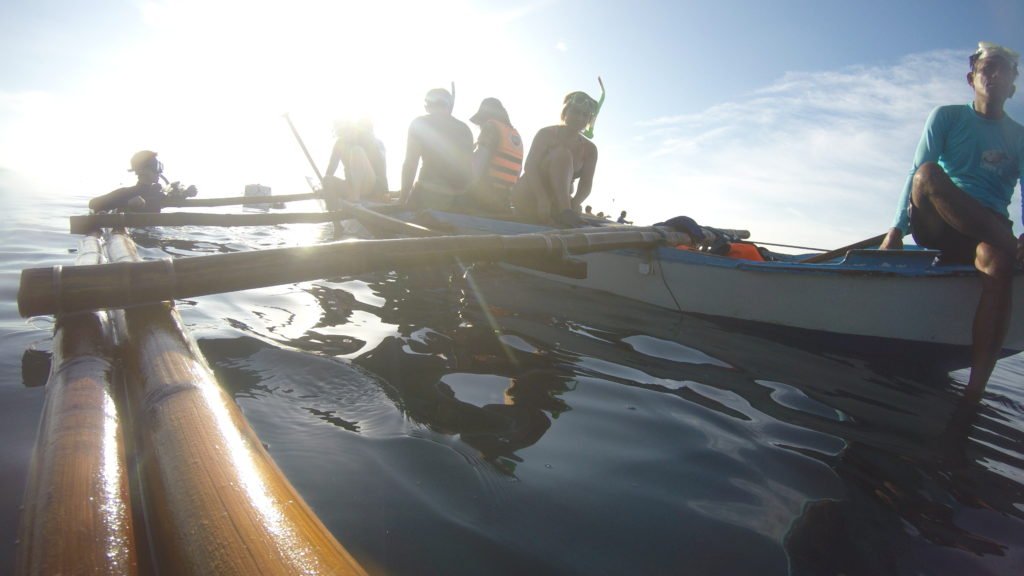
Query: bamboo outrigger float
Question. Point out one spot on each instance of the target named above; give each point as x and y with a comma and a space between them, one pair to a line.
79, 473
213, 501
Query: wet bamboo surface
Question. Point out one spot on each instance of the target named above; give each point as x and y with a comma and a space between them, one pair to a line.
215, 502
126, 284
77, 514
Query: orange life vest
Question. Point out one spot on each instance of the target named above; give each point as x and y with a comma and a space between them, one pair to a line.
507, 160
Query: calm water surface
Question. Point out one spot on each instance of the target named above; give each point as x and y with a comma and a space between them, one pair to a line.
455, 422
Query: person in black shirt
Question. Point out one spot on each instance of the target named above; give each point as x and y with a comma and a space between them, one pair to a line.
145, 196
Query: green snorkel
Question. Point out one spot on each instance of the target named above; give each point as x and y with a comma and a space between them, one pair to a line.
589, 131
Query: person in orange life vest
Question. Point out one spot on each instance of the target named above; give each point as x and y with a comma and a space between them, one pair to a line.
498, 159
352, 150
145, 196
559, 156
445, 145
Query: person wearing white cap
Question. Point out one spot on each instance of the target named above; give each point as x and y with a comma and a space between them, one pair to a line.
445, 145
956, 198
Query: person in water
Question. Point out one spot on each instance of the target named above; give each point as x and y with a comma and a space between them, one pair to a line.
498, 158
445, 145
559, 156
956, 199
146, 195
353, 149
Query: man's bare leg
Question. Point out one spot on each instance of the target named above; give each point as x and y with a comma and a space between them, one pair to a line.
937, 199
933, 191
992, 317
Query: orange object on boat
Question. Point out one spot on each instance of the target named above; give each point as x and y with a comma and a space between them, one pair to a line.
744, 251
737, 250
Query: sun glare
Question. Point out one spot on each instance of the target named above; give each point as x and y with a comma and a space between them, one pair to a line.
207, 84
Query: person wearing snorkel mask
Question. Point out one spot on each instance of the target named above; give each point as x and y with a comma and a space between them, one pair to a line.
146, 195
957, 196
559, 156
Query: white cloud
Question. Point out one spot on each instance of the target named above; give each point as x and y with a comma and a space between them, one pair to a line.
561, 46
816, 158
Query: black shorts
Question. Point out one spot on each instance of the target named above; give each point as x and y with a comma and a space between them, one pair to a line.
956, 247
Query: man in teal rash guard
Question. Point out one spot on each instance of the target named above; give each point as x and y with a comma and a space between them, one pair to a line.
956, 200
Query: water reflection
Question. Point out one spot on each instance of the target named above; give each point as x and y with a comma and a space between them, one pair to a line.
710, 438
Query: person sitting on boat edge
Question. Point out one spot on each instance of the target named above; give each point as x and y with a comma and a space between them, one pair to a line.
956, 199
445, 146
559, 156
352, 150
497, 160
622, 218
145, 196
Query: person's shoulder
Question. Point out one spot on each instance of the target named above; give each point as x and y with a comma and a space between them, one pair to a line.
949, 111
456, 122
1014, 125
419, 122
548, 131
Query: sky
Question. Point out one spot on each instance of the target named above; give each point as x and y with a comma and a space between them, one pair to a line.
796, 120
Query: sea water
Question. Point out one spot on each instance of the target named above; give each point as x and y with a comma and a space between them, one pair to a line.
471, 421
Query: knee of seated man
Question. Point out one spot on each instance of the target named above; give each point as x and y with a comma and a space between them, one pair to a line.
927, 173
994, 262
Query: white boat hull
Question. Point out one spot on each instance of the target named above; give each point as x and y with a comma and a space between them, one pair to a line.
891, 295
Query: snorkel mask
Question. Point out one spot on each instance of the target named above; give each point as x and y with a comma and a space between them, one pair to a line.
582, 101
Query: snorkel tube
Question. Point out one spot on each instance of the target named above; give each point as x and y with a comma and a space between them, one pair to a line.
589, 130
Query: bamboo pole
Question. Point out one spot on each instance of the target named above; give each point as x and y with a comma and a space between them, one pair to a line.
866, 243
84, 224
215, 502
235, 200
77, 514
126, 284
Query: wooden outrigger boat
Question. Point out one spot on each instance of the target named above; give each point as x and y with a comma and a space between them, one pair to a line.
864, 300
208, 495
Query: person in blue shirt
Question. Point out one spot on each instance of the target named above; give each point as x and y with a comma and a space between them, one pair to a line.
956, 199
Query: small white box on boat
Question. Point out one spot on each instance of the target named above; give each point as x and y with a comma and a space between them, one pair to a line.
259, 190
